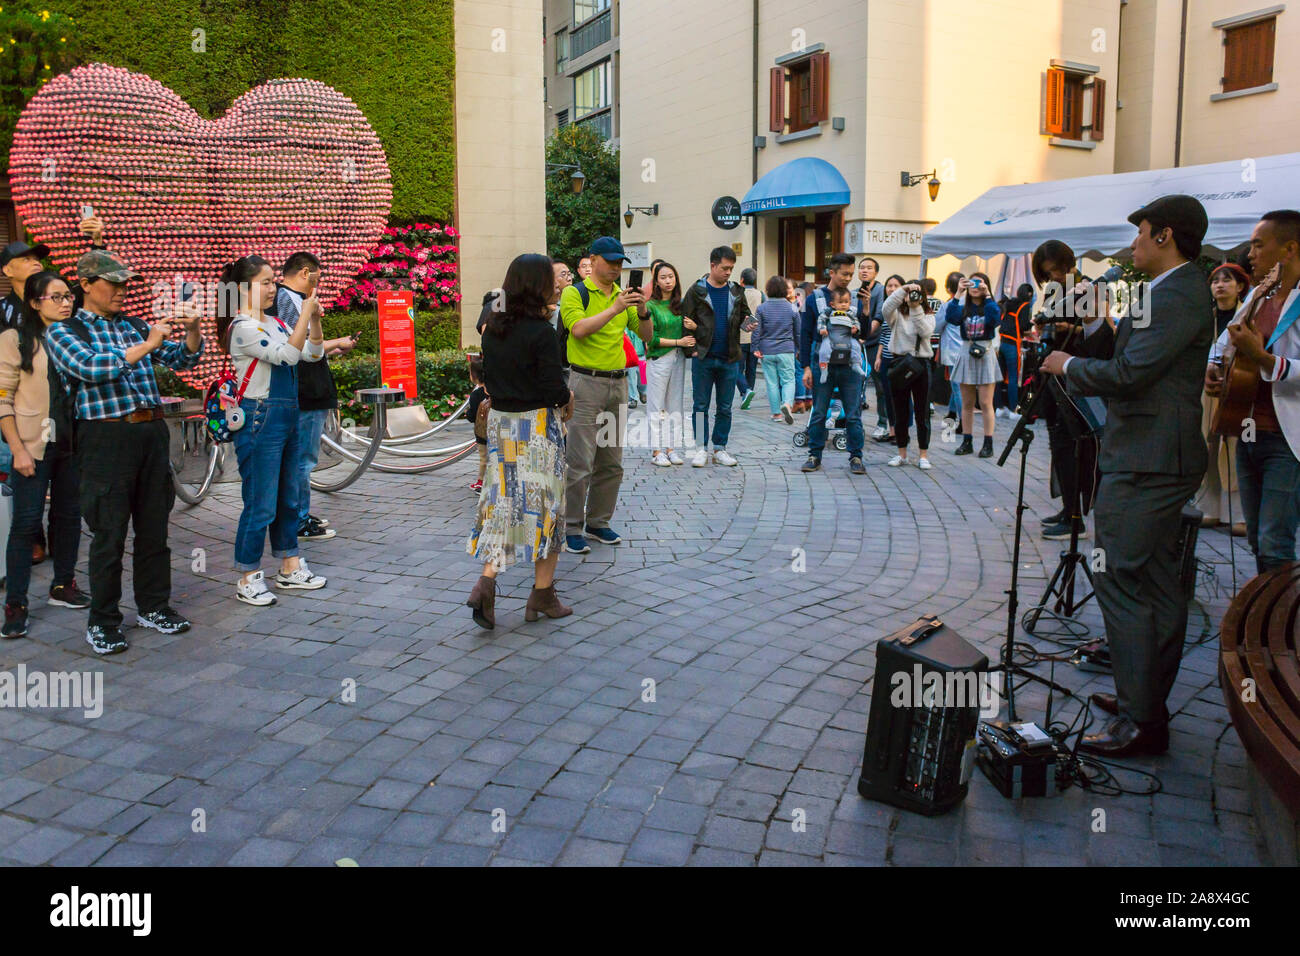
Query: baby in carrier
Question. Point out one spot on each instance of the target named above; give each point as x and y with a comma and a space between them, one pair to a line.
838, 330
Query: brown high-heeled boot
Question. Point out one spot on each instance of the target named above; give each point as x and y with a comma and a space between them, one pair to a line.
483, 600
545, 601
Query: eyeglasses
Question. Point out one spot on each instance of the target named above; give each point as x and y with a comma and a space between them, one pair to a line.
59, 297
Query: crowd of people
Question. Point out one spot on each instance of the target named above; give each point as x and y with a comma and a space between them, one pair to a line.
82, 421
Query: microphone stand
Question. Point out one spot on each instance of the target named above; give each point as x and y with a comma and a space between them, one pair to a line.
1023, 435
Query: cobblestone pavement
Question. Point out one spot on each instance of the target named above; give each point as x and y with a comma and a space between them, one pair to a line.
231, 744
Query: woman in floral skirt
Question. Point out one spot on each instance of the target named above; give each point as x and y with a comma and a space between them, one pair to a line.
521, 507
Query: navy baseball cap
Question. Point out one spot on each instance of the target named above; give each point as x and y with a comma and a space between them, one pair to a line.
16, 250
610, 249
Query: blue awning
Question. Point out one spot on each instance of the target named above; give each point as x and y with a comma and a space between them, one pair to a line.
797, 186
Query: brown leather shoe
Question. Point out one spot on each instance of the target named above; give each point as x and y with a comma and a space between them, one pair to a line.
545, 601
38, 553
1107, 703
483, 600
1124, 738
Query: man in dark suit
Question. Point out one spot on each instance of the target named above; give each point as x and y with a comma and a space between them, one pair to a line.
1152, 460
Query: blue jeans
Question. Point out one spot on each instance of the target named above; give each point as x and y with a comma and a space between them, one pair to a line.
310, 427
954, 399
712, 374
62, 477
1010, 354
267, 451
778, 373
850, 382
746, 369
1269, 479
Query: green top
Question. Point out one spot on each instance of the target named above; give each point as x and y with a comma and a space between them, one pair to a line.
603, 349
666, 326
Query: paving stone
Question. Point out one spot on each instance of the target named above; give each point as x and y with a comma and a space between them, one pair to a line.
763, 689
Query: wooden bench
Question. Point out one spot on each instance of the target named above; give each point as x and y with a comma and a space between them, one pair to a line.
1260, 679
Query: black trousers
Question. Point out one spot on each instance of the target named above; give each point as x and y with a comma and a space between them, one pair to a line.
912, 401
125, 477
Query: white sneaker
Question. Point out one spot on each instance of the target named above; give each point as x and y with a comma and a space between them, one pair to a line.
675, 459
880, 432
661, 460
896, 461
924, 464
301, 579
723, 457
701, 458
254, 590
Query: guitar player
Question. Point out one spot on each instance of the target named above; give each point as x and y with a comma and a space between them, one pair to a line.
1152, 461
1268, 468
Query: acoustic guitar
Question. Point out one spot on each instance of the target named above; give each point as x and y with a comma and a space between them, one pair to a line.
1241, 374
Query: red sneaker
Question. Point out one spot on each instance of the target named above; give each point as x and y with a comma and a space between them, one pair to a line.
476, 485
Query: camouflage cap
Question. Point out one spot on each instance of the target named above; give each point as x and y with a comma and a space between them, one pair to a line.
101, 264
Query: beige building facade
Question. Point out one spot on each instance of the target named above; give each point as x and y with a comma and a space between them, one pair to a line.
500, 143
1178, 105
979, 95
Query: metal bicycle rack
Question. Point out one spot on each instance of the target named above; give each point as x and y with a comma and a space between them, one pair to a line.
197, 440
375, 442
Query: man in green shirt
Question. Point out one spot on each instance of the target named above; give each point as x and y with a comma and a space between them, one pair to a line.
596, 312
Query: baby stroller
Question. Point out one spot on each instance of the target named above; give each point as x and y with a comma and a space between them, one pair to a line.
835, 434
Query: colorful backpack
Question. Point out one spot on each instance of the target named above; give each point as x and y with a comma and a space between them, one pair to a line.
221, 404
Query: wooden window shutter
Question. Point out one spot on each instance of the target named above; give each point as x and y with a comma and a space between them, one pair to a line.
1098, 109
1055, 115
776, 100
820, 69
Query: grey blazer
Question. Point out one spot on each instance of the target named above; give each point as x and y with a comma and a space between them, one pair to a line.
1153, 384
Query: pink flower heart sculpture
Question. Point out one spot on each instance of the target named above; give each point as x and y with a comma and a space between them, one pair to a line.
293, 165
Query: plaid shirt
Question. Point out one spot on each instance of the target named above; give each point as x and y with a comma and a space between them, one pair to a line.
110, 388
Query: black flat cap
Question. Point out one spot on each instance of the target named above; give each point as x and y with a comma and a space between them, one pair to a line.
1183, 214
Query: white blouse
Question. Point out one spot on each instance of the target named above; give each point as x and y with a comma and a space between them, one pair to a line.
268, 342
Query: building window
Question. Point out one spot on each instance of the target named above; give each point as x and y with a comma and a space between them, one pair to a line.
800, 94
586, 9
1248, 55
592, 90
561, 50
1074, 101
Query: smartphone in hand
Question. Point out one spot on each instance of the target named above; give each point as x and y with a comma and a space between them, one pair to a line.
87, 212
636, 279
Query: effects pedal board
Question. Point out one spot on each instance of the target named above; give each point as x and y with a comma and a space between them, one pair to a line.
1019, 759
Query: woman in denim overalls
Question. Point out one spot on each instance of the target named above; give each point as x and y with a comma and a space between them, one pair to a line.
265, 353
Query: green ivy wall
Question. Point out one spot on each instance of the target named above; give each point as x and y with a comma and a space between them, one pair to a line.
394, 58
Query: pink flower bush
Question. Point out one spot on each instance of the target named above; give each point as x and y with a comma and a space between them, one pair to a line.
420, 257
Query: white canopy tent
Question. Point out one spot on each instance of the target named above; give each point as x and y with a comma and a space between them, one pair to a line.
1090, 214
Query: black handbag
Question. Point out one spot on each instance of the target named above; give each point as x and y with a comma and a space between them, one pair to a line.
904, 370
977, 351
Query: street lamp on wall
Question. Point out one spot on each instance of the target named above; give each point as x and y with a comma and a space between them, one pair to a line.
908, 180
628, 214
576, 181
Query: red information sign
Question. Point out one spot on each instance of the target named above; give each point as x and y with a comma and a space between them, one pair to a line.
397, 342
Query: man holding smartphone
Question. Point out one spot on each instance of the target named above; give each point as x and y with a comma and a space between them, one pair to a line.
317, 393
597, 312
123, 442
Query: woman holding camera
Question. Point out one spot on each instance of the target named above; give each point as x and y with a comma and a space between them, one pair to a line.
977, 371
43, 456
910, 317
265, 353
521, 508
